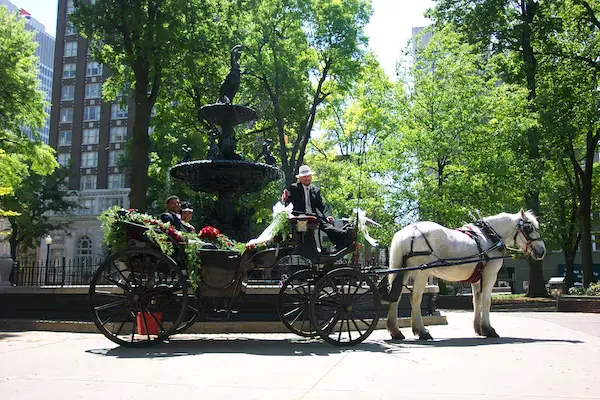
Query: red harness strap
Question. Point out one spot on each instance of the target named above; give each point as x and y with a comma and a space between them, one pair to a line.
478, 270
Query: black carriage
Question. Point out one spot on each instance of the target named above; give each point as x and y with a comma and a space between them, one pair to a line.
141, 296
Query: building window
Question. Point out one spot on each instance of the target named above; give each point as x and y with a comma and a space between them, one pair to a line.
116, 181
114, 156
69, 71
87, 182
63, 159
64, 138
70, 49
91, 113
93, 69
85, 249
66, 115
90, 136
89, 159
118, 134
595, 241
92, 91
118, 112
114, 201
70, 7
67, 92
69, 29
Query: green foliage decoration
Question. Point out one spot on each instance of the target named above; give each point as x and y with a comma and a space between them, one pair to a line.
160, 234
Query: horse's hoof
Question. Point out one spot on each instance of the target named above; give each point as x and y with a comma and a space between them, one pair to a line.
425, 336
397, 336
478, 329
490, 333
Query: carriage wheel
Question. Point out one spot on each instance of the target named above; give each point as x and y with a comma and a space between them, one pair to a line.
344, 307
191, 313
293, 303
138, 297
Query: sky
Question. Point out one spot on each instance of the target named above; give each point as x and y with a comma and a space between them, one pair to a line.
389, 30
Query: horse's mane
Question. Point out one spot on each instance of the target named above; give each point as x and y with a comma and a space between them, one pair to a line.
531, 217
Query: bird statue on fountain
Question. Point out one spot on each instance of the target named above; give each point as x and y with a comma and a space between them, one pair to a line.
231, 84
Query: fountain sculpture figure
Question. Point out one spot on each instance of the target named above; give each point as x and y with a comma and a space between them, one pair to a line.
225, 173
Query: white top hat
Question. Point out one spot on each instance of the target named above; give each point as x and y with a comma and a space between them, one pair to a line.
304, 170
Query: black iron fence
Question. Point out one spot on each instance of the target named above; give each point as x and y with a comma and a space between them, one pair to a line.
59, 272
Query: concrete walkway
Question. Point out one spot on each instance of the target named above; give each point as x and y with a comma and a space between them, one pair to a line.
541, 356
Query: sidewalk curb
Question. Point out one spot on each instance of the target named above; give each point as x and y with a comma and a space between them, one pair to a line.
198, 327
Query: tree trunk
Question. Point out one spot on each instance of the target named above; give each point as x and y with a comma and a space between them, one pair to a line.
13, 241
569, 268
537, 287
585, 209
140, 148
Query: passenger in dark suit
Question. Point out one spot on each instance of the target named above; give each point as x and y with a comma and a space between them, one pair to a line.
306, 198
172, 214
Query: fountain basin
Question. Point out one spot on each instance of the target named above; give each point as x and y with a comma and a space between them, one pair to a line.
226, 176
234, 114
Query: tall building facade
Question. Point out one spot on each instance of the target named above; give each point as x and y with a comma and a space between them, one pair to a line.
89, 135
45, 54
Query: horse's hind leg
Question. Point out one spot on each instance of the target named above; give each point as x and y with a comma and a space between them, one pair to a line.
418, 327
476, 290
486, 304
392, 317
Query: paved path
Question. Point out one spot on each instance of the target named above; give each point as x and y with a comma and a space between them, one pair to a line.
542, 356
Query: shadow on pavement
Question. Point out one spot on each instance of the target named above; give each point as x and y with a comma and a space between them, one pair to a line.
6, 335
267, 347
479, 341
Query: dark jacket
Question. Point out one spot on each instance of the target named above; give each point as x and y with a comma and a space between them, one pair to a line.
296, 197
174, 220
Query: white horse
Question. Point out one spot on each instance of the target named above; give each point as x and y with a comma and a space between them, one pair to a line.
426, 242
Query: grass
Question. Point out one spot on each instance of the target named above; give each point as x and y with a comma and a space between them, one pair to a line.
521, 298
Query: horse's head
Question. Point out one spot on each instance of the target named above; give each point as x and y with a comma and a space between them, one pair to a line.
527, 236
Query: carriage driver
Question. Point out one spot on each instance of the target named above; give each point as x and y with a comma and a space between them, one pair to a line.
306, 198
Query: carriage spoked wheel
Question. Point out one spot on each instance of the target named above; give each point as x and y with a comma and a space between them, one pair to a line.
293, 303
191, 313
344, 307
138, 297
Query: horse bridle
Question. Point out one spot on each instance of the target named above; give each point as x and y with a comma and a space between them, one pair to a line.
525, 228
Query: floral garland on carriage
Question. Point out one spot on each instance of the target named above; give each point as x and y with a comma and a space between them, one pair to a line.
156, 231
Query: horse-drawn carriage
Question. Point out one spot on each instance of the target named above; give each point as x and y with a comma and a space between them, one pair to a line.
140, 295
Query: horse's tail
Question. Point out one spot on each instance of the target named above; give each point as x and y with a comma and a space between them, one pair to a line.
396, 251
396, 280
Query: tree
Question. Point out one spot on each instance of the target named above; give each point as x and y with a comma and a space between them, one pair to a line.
300, 52
507, 27
138, 40
35, 199
568, 94
21, 106
458, 143
560, 203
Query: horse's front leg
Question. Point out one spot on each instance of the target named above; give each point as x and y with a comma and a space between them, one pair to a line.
486, 300
392, 317
476, 291
418, 327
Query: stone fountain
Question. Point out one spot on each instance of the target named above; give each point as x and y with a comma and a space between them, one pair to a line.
225, 173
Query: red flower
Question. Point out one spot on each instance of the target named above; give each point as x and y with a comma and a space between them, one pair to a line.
209, 232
